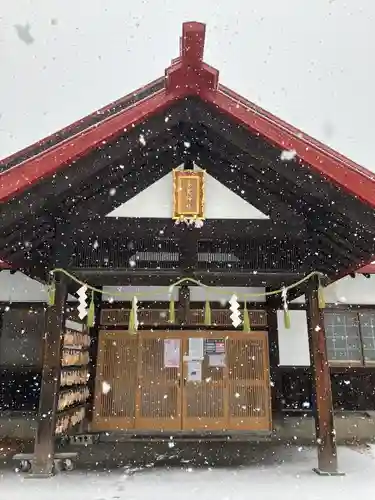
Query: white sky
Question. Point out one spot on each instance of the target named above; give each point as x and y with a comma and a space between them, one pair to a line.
308, 61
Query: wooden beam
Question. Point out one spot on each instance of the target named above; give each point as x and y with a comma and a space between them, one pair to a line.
44, 446
166, 277
184, 304
322, 391
317, 200
212, 229
115, 186
273, 303
54, 189
291, 174
189, 252
294, 176
266, 176
93, 352
228, 167
339, 254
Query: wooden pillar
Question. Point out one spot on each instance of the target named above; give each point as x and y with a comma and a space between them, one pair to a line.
273, 304
184, 304
44, 447
94, 334
322, 392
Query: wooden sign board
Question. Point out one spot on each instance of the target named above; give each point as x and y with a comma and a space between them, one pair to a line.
188, 194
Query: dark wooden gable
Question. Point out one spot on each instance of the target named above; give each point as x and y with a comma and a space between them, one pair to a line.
313, 224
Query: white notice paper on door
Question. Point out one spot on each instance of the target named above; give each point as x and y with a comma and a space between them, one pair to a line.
196, 349
172, 353
194, 371
216, 360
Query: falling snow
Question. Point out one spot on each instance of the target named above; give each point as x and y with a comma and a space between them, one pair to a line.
24, 33
300, 210
288, 155
106, 387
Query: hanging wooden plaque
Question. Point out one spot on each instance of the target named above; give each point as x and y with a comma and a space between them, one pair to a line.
188, 194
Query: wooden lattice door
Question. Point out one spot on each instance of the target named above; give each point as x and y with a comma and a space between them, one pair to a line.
116, 381
248, 379
153, 381
205, 395
159, 381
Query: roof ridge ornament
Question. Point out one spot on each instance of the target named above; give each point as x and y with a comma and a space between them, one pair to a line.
188, 71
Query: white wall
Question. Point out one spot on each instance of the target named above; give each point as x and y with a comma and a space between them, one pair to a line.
358, 290
156, 201
293, 342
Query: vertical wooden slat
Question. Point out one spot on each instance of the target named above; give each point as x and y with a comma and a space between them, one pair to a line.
234, 397
116, 381
159, 386
204, 401
249, 388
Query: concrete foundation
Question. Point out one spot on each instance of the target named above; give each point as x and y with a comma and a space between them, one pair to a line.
298, 428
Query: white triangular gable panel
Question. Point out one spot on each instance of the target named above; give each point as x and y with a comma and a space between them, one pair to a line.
153, 202
156, 201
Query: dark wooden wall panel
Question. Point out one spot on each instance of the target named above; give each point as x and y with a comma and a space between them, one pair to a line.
353, 389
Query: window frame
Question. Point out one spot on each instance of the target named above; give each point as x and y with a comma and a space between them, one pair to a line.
357, 311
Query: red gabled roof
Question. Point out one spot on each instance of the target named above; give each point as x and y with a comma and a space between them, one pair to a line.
188, 75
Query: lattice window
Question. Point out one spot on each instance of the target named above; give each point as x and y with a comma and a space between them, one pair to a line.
343, 338
367, 327
350, 337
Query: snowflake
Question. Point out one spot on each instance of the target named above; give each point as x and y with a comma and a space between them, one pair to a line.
288, 155
105, 387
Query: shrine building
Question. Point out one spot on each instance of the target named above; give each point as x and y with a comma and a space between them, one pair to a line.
183, 263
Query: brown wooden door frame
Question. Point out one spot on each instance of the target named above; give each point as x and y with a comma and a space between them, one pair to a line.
152, 390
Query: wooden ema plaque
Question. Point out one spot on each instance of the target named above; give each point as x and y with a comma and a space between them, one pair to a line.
188, 194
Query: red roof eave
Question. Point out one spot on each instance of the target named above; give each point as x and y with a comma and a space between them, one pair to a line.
343, 172
22, 176
189, 75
